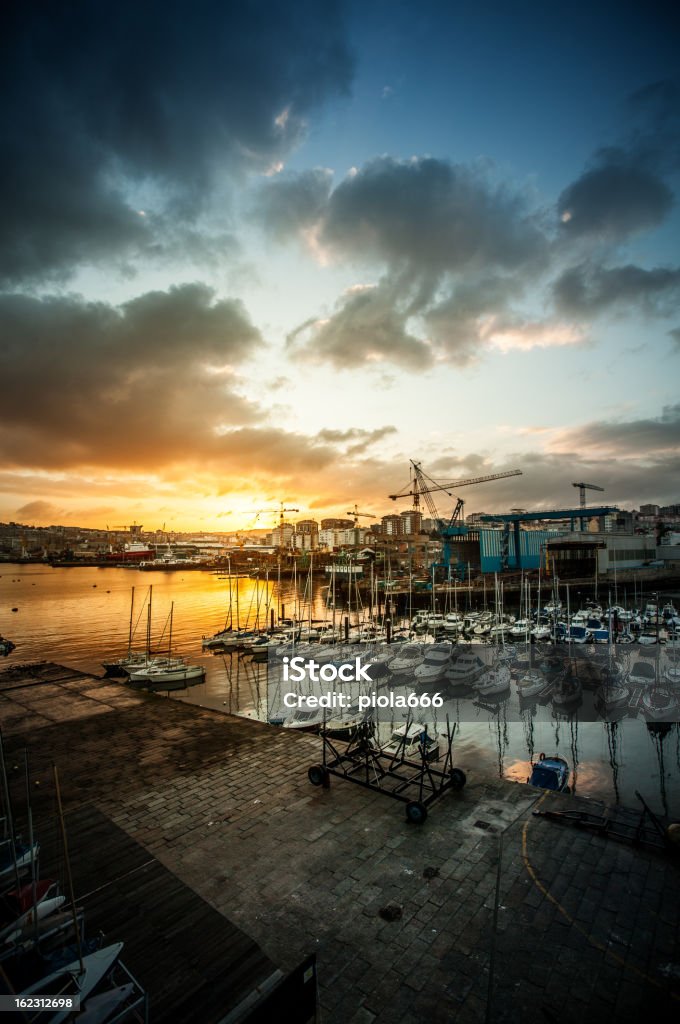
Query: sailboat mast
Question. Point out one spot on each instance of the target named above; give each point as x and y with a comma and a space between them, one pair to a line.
8, 811
132, 605
69, 876
172, 606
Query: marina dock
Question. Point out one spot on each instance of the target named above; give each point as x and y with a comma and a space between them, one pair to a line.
198, 841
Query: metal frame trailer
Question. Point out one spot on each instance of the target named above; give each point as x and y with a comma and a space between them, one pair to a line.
363, 762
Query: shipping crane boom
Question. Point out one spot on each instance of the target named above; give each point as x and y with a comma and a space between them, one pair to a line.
582, 491
422, 484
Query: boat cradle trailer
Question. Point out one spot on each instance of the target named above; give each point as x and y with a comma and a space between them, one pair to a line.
415, 783
638, 833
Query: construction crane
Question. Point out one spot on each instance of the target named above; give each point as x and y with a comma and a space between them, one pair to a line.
281, 510
586, 487
356, 514
423, 485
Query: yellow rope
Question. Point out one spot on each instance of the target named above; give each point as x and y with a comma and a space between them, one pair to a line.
565, 913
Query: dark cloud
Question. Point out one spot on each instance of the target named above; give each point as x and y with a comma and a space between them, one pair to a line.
655, 132
102, 102
588, 289
456, 323
138, 385
431, 216
675, 335
292, 202
614, 200
368, 327
637, 439
355, 440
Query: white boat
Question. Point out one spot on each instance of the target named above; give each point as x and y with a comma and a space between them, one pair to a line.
412, 741
532, 683
520, 629
612, 695
76, 979
176, 671
642, 673
408, 658
660, 705
567, 691
465, 669
434, 664
494, 682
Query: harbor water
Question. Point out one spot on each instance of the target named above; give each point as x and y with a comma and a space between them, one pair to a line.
81, 617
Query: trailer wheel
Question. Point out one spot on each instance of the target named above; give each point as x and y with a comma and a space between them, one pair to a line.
416, 812
317, 774
458, 778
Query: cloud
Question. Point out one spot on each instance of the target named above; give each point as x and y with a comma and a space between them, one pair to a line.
357, 441
589, 289
107, 103
637, 440
292, 203
39, 511
140, 385
430, 215
368, 327
614, 200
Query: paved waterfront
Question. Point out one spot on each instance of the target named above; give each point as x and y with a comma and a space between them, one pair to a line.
586, 929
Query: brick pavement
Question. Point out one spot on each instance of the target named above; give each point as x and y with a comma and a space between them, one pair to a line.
587, 929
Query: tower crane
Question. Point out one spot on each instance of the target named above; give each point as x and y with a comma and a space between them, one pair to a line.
280, 510
356, 514
423, 485
586, 487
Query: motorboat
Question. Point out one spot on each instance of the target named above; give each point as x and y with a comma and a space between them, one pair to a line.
612, 695
550, 773
533, 683
494, 682
642, 673
434, 664
412, 741
567, 691
465, 669
660, 704
407, 660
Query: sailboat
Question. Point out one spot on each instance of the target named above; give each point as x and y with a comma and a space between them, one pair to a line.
170, 672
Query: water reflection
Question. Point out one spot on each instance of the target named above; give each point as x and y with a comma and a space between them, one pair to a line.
64, 617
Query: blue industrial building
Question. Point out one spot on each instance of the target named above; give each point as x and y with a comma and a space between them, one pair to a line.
532, 546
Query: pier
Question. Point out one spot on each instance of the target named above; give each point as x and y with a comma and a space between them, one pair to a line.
198, 841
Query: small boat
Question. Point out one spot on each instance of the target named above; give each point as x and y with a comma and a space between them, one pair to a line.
532, 683
568, 690
642, 673
21, 907
550, 773
78, 978
465, 669
659, 704
434, 664
494, 682
412, 741
612, 695
175, 672
6, 646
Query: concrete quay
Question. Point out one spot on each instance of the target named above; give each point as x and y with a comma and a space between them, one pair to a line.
584, 928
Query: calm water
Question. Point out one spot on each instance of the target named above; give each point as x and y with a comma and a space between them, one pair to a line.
80, 617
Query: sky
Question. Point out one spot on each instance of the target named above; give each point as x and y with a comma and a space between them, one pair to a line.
258, 254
